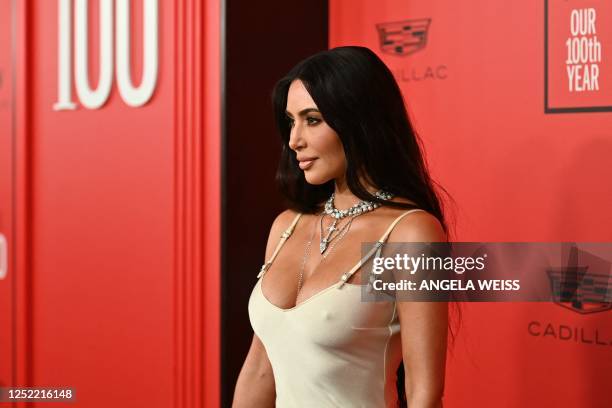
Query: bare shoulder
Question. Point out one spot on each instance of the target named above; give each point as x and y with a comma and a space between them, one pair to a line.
279, 225
282, 221
418, 226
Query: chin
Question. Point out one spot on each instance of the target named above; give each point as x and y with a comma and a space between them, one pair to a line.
316, 179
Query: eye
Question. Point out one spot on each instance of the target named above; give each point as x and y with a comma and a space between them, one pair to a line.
289, 121
312, 120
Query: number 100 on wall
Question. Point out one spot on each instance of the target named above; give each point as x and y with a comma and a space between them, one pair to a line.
112, 59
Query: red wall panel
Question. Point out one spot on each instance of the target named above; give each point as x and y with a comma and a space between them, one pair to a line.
101, 216
118, 272
6, 189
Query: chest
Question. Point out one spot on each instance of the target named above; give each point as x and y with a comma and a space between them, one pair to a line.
332, 318
302, 265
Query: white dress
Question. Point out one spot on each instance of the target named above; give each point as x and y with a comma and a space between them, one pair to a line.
331, 350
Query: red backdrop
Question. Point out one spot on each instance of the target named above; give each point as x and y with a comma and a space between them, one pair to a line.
474, 78
113, 286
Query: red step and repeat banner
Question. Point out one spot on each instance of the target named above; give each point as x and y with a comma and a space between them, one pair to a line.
513, 101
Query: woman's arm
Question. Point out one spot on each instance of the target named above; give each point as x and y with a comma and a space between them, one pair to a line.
255, 385
424, 325
424, 331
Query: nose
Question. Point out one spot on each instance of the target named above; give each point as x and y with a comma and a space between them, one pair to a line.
295, 138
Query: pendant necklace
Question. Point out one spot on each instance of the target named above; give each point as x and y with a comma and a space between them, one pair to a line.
361, 207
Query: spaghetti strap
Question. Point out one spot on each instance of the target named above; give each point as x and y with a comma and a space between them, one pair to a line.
383, 239
284, 236
377, 248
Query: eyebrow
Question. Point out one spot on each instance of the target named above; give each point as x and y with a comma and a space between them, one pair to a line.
304, 112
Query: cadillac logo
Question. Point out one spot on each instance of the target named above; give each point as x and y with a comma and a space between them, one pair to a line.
580, 288
403, 38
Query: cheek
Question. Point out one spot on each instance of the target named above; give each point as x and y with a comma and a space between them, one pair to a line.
331, 149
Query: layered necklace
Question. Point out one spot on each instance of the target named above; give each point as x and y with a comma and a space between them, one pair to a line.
361, 207
335, 232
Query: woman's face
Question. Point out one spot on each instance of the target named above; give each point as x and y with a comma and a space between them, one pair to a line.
318, 147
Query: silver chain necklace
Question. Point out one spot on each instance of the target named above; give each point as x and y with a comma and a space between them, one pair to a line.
342, 233
356, 210
333, 231
306, 253
359, 208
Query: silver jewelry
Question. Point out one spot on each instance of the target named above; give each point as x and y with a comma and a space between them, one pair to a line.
325, 241
343, 232
356, 210
359, 208
306, 253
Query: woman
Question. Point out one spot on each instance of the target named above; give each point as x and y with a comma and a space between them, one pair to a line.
352, 171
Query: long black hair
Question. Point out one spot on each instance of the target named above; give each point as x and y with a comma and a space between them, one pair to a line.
359, 98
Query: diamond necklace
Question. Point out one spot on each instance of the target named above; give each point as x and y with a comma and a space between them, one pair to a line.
359, 208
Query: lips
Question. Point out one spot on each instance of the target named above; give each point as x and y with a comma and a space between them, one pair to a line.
306, 162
